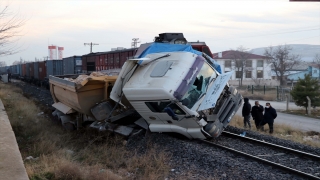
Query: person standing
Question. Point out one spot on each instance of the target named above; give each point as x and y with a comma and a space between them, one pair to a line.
257, 114
246, 110
269, 115
9, 75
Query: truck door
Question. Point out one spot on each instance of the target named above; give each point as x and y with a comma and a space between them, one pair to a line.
157, 110
161, 117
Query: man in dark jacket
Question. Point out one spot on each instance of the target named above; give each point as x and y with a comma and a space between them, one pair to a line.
9, 75
246, 109
257, 115
269, 115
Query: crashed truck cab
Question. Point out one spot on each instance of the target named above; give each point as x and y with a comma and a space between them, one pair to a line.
177, 89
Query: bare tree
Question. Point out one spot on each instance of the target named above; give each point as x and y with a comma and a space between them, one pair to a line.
257, 81
16, 62
282, 61
10, 25
240, 57
3, 63
316, 60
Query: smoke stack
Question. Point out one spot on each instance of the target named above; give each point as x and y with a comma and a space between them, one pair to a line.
52, 52
60, 52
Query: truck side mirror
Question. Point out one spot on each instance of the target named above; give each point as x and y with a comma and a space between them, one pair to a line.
170, 112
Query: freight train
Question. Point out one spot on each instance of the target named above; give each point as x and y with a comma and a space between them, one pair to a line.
38, 72
170, 85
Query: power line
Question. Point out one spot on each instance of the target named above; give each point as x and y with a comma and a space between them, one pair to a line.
91, 44
302, 39
270, 34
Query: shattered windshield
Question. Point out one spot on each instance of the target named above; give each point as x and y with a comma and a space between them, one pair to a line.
199, 86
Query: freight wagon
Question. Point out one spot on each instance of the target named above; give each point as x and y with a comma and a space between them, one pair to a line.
72, 65
54, 67
40, 73
106, 60
3, 69
15, 71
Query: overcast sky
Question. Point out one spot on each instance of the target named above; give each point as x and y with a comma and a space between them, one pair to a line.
223, 25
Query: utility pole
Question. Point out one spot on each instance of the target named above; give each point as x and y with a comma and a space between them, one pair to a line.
91, 44
135, 42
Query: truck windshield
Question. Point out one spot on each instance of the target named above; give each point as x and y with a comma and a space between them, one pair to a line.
199, 86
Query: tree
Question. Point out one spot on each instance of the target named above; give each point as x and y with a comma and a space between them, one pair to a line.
306, 87
282, 61
316, 60
2, 63
10, 25
240, 57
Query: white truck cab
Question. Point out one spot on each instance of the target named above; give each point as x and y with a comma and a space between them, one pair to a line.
176, 89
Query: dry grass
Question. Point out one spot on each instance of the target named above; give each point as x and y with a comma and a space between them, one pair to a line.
280, 130
270, 95
74, 155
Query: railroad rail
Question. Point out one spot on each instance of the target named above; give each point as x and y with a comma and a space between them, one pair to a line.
272, 145
314, 157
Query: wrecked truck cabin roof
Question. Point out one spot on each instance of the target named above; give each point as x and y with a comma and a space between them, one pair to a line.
151, 48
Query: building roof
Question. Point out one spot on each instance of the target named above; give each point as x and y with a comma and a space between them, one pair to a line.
231, 53
315, 65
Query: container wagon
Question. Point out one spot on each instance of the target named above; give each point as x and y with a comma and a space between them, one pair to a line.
72, 65
40, 73
54, 67
106, 60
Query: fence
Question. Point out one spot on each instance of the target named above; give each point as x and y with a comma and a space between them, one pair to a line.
266, 93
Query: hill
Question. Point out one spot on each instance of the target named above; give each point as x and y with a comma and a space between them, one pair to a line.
306, 51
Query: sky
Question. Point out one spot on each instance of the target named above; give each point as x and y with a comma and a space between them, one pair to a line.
223, 25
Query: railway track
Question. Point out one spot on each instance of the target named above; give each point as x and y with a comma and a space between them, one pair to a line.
301, 163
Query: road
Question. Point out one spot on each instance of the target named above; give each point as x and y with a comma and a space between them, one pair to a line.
298, 122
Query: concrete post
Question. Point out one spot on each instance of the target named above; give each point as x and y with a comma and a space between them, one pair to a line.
277, 93
309, 106
287, 97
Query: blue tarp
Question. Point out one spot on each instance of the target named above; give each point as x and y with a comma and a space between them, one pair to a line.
216, 65
164, 47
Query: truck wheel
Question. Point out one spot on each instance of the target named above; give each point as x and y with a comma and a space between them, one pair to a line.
69, 126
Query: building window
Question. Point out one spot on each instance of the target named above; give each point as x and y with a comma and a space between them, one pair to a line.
259, 74
248, 74
260, 63
315, 71
248, 63
238, 74
227, 63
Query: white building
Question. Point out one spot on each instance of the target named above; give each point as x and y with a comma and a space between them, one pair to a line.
257, 71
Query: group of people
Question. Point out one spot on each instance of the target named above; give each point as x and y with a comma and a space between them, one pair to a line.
260, 115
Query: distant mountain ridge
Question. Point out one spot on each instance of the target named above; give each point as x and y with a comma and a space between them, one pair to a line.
306, 51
